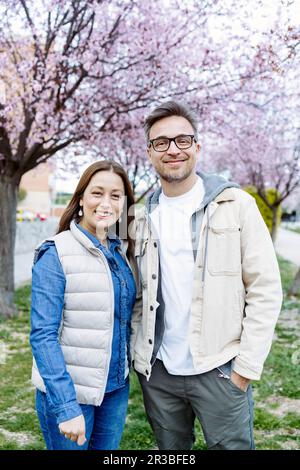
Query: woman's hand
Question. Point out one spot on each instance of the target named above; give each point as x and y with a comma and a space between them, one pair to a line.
74, 429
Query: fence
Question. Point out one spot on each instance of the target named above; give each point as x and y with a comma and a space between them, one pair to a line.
29, 234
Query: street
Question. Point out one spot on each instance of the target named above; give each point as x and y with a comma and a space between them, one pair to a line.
287, 245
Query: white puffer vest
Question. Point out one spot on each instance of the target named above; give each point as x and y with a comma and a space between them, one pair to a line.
86, 329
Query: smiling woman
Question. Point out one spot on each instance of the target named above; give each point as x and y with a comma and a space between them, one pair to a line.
83, 292
103, 184
102, 203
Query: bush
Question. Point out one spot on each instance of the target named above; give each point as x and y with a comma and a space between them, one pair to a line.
22, 194
266, 212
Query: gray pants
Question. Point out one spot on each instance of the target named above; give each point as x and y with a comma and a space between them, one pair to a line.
172, 402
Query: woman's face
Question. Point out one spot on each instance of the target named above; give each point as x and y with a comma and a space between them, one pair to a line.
102, 201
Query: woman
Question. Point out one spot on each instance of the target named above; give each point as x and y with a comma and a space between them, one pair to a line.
83, 292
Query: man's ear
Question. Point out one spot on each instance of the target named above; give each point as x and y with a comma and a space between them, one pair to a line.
149, 153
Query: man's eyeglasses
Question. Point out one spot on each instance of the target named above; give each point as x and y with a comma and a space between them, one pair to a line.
162, 144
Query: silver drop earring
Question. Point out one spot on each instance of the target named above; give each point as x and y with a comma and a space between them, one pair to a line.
80, 213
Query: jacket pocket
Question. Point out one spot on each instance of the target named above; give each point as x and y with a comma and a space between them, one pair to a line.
223, 251
224, 372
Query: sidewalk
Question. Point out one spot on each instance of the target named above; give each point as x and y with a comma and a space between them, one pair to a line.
287, 245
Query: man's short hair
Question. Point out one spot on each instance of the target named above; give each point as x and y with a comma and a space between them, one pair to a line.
168, 109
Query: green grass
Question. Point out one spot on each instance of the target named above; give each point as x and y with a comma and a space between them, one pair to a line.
288, 271
297, 229
277, 395
19, 428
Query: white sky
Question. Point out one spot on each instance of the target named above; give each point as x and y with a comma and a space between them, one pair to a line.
260, 18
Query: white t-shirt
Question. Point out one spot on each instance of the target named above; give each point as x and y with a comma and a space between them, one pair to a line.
172, 222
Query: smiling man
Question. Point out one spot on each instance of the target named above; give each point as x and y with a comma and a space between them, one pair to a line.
174, 159
210, 294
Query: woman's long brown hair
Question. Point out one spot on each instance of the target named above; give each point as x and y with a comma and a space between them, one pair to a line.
71, 211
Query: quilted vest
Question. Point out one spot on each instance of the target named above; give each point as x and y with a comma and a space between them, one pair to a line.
86, 329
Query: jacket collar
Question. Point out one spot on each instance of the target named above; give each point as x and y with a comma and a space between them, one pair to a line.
81, 237
87, 242
226, 195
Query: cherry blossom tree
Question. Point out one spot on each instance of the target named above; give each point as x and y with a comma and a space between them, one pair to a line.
74, 70
258, 138
79, 77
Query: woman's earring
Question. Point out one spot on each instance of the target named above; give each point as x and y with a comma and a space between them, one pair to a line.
80, 213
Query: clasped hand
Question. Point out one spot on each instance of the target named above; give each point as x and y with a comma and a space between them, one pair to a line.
74, 429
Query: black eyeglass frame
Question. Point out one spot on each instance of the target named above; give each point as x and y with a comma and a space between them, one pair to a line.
173, 139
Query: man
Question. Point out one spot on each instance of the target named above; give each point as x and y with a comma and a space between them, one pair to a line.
211, 294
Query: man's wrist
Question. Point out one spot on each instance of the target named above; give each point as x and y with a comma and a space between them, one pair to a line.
240, 381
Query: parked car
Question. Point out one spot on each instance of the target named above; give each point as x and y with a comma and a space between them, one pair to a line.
41, 216
24, 215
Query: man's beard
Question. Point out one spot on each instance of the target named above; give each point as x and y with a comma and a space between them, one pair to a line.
169, 178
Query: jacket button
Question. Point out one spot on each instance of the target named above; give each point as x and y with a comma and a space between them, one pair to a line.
151, 308
150, 341
147, 372
155, 245
154, 276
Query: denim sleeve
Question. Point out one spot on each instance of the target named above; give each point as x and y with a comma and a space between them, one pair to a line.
47, 301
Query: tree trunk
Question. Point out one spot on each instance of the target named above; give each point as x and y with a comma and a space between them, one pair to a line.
295, 287
274, 222
8, 207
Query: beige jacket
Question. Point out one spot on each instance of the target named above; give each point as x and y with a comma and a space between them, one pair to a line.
237, 289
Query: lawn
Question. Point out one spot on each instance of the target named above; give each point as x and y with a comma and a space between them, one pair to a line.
295, 229
277, 395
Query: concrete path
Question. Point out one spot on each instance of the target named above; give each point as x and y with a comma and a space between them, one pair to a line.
287, 245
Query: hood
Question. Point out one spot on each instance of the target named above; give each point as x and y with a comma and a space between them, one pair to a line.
213, 185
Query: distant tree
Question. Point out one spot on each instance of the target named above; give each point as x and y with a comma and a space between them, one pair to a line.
270, 212
295, 287
22, 194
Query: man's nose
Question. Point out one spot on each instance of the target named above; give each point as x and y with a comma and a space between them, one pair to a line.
173, 148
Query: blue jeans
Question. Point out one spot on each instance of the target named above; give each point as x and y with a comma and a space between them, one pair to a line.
104, 424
